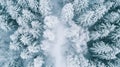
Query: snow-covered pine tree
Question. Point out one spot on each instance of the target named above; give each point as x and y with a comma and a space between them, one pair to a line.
105, 26
26, 39
103, 35
99, 50
79, 7
67, 13
45, 7
90, 17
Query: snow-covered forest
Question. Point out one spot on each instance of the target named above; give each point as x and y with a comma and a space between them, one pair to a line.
59, 33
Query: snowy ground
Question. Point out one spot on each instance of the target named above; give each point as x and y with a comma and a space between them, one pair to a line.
57, 51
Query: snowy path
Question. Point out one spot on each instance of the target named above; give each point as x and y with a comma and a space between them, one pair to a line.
57, 51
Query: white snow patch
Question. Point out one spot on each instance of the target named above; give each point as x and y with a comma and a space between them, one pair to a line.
60, 41
57, 50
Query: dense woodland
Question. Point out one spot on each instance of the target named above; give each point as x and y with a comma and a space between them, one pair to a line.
59, 33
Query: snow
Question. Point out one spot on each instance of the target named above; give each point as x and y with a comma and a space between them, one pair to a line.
57, 52
38, 62
67, 12
54, 40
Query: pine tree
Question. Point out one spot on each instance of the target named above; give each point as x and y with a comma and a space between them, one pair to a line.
67, 12
45, 7
99, 50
